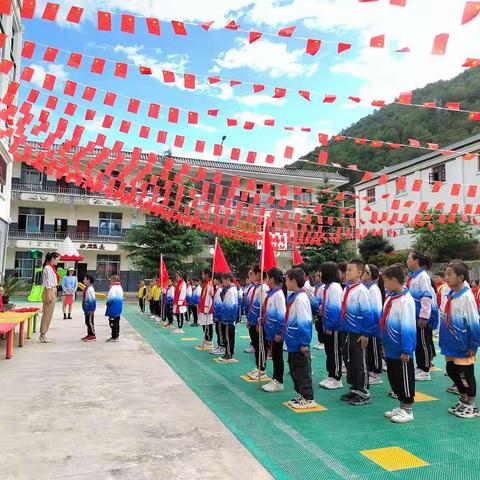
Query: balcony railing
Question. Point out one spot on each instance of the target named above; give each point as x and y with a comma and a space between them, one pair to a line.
30, 187
78, 237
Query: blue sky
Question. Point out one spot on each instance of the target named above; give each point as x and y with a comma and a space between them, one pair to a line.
362, 71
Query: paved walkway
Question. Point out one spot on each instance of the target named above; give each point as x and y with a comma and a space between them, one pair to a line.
102, 411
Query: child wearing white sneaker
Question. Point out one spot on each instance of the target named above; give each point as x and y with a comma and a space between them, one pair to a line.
374, 283
217, 316
460, 338
318, 294
331, 306
398, 327
274, 310
298, 336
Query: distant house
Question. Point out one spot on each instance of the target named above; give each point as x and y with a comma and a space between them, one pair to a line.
400, 199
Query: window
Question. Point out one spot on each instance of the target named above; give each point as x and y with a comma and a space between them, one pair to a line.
60, 225
306, 196
32, 177
150, 219
24, 265
31, 219
438, 174
110, 224
371, 195
107, 265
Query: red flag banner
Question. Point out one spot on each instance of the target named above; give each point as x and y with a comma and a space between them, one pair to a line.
220, 264
297, 258
267, 255
163, 274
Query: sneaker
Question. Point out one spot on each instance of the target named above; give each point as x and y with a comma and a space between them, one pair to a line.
459, 405
194, 325
466, 411
453, 389
168, 325
44, 339
422, 376
392, 394
257, 375
403, 417
304, 404
205, 345
269, 357
227, 359
333, 384
249, 349
324, 381
217, 351
375, 379
112, 340
357, 400
384, 365
295, 401
319, 346
392, 413
346, 397
89, 338
344, 370
273, 387
285, 349
178, 331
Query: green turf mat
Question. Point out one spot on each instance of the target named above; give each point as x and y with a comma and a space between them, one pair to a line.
321, 445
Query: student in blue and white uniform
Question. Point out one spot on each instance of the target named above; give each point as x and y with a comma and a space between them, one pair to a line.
229, 316
318, 294
188, 298
114, 305
255, 299
246, 291
169, 298
460, 338
240, 301
420, 286
358, 323
332, 296
217, 316
274, 315
195, 300
399, 334
298, 335
372, 280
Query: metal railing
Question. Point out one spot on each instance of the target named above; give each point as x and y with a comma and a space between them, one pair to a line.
31, 187
78, 237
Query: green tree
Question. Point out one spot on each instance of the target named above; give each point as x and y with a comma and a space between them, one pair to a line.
240, 256
372, 245
446, 241
145, 243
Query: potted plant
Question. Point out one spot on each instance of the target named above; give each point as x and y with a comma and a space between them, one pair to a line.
11, 286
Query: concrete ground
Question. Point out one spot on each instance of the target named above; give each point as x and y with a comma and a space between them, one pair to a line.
101, 411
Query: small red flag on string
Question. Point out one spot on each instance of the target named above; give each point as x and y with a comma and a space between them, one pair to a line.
440, 44
193, 118
50, 54
28, 49
322, 157
104, 21
398, 3
75, 15
189, 81
127, 23
288, 152
179, 28
270, 158
343, 47
133, 105
49, 82
75, 60
153, 26
329, 98
378, 41
313, 46
6, 7
470, 11
200, 146
179, 141
305, 94
162, 136
254, 36
107, 121
405, 98
28, 8
145, 70
235, 155
125, 126
50, 12
455, 190
287, 31
474, 116
98, 66
251, 157
154, 110
471, 62
121, 70
144, 131
173, 114
217, 150
414, 143
453, 105
206, 25
257, 87
232, 25
168, 76
110, 99
279, 92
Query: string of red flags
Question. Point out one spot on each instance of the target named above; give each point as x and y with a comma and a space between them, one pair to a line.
128, 24
189, 80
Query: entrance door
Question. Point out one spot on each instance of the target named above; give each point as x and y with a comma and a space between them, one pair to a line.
81, 271
83, 229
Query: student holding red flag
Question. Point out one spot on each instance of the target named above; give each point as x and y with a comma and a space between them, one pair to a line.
398, 327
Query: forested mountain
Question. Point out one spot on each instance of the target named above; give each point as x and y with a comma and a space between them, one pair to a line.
398, 123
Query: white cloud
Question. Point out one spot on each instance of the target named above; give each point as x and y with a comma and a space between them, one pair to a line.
206, 128
55, 69
301, 142
267, 57
260, 99
251, 117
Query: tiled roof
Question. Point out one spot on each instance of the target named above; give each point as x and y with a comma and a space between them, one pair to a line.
428, 156
236, 167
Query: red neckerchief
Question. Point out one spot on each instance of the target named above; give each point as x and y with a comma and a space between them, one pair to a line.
176, 295
448, 306
388, 308
203, 295
345, 298
54, 268
254, 290
291, 298
265, 302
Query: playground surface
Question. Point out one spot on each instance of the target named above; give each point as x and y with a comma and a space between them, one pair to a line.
129, 411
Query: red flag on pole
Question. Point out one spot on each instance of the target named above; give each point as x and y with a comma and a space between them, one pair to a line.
267, 256
220, 264
297, 258
163, 272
